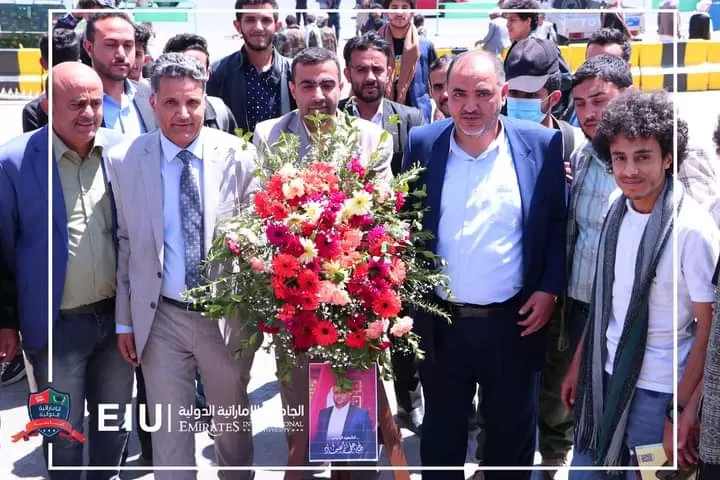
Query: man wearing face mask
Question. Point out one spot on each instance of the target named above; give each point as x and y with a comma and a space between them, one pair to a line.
533, 76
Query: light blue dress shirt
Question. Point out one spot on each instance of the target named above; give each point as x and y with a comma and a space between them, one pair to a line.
480, 228
173, 282
123, 117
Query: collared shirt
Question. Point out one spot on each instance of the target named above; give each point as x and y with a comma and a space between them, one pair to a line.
336, 424
173, 283
263, 95
123, 117
599, 190
90, 271
480, 229
377, 118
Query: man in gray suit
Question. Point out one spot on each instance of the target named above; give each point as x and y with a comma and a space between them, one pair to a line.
316, 85
172, 186
110, 43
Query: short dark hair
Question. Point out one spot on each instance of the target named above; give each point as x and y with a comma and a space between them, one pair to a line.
636, 114
608, 68
612, 36
313, 56
43, 46
241, 4
524, 5
386, 4
142, 35
182, 42
419, 20
365, 42
441, 62
96, 17
716, 136
553, 82
65, 46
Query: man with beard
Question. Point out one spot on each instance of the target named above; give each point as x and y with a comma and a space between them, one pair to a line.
110, 43
496, 200
367, 70
438, 86
410, 58
316, 85
85, 357
253, 81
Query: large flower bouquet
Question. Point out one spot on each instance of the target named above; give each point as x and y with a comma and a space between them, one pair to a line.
328, 257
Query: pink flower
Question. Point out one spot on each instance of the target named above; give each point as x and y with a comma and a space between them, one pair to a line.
359, 221
376, 329
257, 265
331, 294
377, 233
277, 234
402, 326
369, 187
232, 245
399, 201
356, 167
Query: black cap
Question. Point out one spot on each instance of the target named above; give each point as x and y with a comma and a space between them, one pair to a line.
529, 64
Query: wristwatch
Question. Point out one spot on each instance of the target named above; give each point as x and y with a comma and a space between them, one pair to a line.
669, 413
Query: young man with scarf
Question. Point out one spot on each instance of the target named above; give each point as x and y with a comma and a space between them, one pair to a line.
410, 60
620, 383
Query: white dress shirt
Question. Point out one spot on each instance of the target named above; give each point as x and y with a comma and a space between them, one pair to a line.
480, 228
336, 424
377, 118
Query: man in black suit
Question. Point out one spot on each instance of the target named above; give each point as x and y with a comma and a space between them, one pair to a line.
366, 68
368, 77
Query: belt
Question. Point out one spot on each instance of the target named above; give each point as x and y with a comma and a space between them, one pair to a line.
190, 307
582, 306
103, 306
468, 310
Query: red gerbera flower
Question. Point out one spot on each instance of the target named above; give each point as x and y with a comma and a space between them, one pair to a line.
286, 313
309, 282
325, 333
308, 302
387, 304
355, 339
285, 266
356, 321
262, 204
293, 246
267, 328
303, 341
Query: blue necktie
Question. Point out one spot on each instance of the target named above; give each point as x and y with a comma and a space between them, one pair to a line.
192, 220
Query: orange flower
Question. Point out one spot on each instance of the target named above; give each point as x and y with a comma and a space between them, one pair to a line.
285, 266
387, 304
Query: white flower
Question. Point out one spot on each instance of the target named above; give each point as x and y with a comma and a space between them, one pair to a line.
294, 221
310, 252
249, 235
288, 170
359, 204
313, 211
295, 188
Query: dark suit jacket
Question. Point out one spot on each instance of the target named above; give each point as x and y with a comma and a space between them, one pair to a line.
24, 228
357, 424
8, 297
537, 157
409, 117
33, 116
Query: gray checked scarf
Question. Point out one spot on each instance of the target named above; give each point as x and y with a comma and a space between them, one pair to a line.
602, 410
710, 418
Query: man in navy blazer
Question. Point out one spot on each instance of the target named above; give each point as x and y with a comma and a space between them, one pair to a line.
86, 360
496, 199
345, 423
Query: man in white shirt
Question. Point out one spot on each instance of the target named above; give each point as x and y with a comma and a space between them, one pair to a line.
623, 371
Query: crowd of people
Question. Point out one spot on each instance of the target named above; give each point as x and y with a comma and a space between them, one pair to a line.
551, 195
